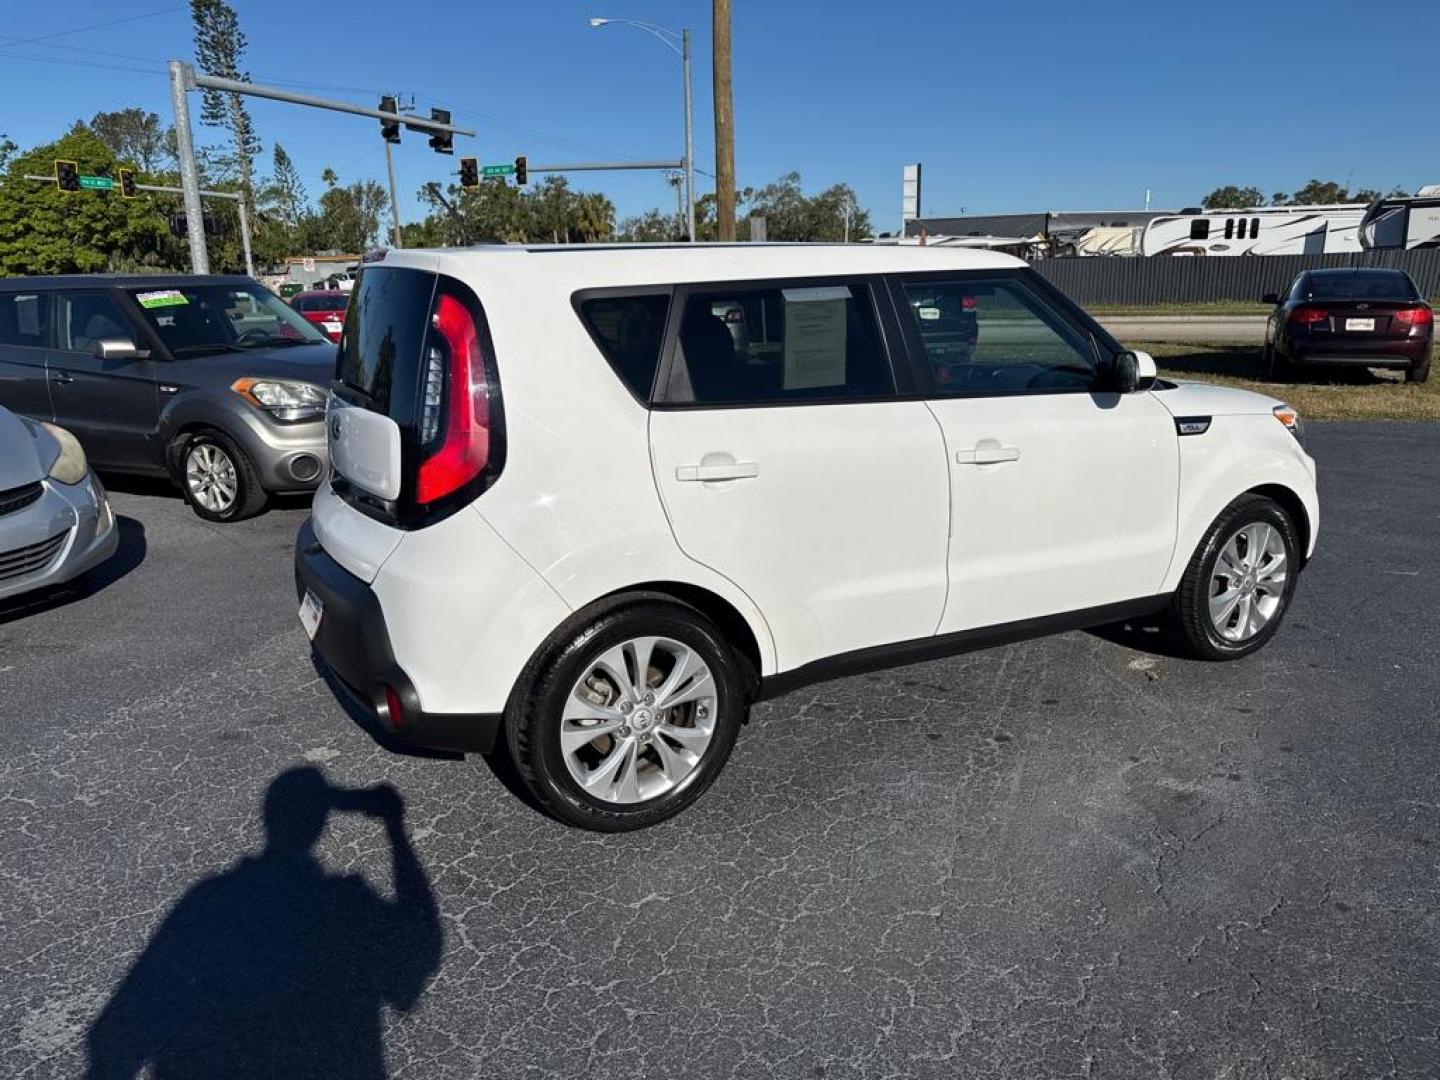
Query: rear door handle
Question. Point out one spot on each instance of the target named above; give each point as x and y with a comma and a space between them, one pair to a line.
62, 377
740, 470
987, 455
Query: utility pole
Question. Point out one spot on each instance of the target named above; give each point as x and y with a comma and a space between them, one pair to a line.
724, 122
181, 82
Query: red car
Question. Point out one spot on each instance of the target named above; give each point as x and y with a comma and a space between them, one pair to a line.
326, 309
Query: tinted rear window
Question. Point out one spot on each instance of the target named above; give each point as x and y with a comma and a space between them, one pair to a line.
379, 354
1361, 285
629, 331
23, 318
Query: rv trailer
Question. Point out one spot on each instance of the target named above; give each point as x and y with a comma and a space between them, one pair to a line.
1259, 230
1412, 222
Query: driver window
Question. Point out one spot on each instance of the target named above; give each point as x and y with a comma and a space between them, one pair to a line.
994, 337
85, 318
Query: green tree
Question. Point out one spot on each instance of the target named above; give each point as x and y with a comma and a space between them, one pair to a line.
654, 227
7, 151
135, 136
792, 215
220, 51
45, 231
285, 195
1318, 192
349, 218
1231, 197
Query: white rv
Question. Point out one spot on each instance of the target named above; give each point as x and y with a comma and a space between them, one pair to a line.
1404, 222
1259, 230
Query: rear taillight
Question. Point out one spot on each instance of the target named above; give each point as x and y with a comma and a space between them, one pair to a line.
1414, 319
969, 303
455, 408
394, 717
1309, 316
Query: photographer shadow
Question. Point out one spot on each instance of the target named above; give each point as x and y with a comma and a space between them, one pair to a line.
275, 966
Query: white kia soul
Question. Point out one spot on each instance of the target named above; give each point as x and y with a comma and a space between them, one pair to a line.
595, 502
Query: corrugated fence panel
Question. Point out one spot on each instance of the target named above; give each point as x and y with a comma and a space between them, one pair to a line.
1170, 280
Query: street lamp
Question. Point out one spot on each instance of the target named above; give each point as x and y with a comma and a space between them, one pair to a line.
680, 45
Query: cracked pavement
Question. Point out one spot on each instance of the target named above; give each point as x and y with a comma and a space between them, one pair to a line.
1059, 858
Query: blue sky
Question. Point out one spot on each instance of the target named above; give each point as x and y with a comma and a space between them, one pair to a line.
1011, 106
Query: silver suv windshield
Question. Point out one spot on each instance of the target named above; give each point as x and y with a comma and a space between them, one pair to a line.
194, 320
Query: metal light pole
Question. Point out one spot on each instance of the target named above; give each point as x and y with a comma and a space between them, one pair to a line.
182, 80
682, 50
394, 199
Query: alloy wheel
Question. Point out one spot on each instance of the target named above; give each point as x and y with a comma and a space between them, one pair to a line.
637, 723
211, 477
1247, 584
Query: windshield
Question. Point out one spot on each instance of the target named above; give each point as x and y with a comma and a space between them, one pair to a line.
193, 320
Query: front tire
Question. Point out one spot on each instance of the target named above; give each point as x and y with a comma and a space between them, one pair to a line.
219, 480
1238, 586
629, 719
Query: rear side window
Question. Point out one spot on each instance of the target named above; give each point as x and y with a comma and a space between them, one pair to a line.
629, 330
782, 344
379, 353
23, 318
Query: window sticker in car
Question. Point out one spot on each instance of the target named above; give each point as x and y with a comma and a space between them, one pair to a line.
815, 336
162, 298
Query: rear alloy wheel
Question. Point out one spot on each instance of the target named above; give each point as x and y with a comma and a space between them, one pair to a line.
219, 481
631, 719
1239, 583
1418, 372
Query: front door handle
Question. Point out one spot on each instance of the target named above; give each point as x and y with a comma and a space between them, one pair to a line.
740, 470
61, 377
987, 455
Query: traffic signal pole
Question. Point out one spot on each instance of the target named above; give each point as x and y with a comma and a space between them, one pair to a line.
394, 199
183, 79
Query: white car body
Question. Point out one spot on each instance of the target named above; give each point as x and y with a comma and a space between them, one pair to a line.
832, 536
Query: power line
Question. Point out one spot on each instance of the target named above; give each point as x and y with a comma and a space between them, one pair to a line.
93, 26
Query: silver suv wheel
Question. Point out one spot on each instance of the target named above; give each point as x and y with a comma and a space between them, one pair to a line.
210, 477
1247, 587
637, 723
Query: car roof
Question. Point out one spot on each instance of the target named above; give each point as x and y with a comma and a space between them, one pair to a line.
120, 281
1337, 271
580, 266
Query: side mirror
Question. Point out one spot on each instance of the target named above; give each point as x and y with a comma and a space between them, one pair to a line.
1133, 371
1270, 298
119, 348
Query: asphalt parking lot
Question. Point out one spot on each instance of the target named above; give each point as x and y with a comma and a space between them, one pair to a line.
1061, 858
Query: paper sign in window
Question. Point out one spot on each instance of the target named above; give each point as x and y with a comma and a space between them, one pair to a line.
815, 336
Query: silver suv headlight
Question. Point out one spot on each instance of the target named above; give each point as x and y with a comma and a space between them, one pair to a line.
284, 399
69, 466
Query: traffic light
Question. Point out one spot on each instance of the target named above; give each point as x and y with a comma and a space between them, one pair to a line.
67, 176
520, 169
389, 129
127, 184
442, 142
469, 172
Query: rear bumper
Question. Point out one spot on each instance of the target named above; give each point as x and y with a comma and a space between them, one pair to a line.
1374, 352
353, 642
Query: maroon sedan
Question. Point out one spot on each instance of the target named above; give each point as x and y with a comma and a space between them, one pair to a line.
1359, 316
325, 308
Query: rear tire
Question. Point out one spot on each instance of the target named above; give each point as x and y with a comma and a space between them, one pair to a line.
1277, 367
1238, 586
645, 762
1418, 372
218, 478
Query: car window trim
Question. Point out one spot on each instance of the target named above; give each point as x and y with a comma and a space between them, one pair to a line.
1103, 347
621, 292
892, 350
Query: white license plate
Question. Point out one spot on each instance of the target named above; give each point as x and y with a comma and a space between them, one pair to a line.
331, 327
312, 608
1359, 324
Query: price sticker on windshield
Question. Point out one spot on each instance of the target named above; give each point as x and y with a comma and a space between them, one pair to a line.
162, 298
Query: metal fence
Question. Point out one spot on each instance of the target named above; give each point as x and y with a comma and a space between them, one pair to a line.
1168, 280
